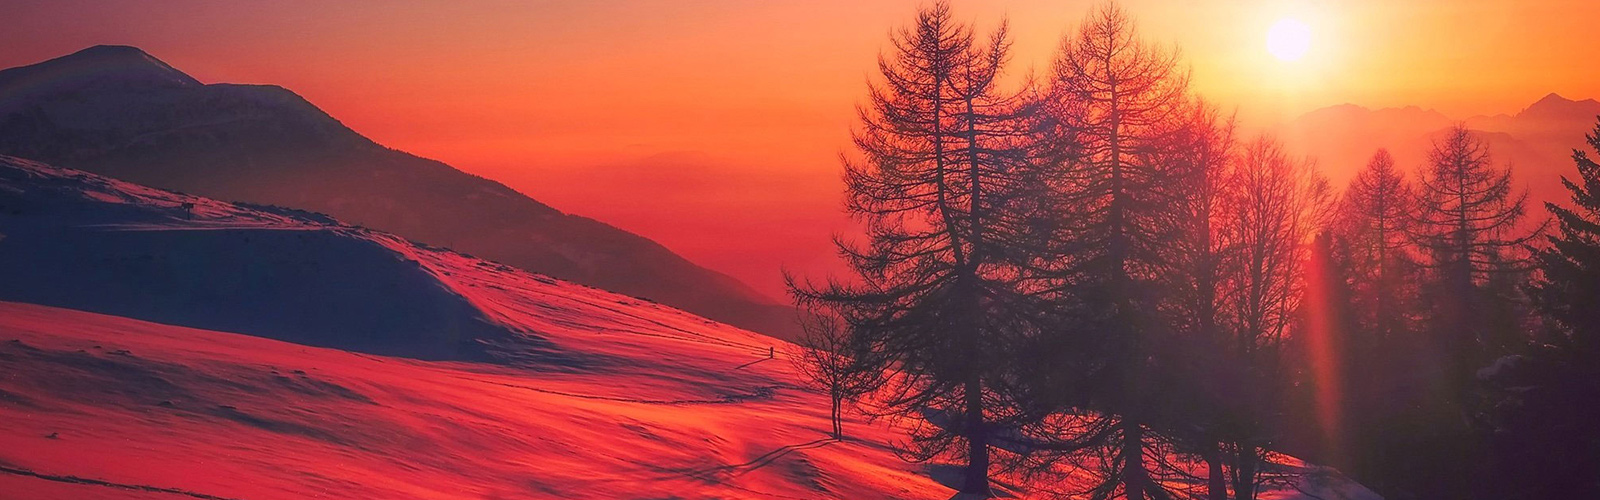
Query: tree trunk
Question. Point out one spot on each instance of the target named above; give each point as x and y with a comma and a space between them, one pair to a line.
1216, 479
838, 427
977, 480
1134, 477
1244, 479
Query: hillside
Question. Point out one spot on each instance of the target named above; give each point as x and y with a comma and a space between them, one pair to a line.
536, 387
106, 407
632, 399
120, 112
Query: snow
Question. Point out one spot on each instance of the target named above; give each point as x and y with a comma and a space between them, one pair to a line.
532, 388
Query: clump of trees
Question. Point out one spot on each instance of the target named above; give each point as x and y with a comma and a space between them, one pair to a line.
1089, 281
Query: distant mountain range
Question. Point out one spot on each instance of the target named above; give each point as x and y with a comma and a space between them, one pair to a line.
120, 112
1536, 142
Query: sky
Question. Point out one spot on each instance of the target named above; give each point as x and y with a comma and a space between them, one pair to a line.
714, 126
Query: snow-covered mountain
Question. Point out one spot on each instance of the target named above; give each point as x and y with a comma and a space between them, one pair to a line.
120, 112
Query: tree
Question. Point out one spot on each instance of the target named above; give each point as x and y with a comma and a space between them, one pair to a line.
1275, 212
1468, 221
937, 186
823, 357
1374, 255
1376, 211
1468, 225
1545, 428
1207, 156
1119, 104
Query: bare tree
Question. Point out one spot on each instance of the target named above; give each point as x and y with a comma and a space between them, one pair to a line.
1273, 209
823, 357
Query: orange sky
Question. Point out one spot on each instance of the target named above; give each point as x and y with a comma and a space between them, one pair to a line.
750, 101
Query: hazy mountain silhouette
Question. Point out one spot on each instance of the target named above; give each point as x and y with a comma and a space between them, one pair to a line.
1537, 141
120, 112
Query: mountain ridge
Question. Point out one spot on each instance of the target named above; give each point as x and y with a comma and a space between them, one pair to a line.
117, 111
1536, 140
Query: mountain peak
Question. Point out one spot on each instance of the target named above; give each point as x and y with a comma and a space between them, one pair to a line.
1552, 98
1554, 105
110, 67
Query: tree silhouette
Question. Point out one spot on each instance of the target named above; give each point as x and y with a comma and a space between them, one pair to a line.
1119, 105
822, 355
1545, 427
1468, 222
938, 186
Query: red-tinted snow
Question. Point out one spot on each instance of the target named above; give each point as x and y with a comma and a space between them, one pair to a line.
120, 401
591, 395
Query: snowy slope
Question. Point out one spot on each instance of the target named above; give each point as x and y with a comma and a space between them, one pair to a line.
663, 415
542, 389
594, 395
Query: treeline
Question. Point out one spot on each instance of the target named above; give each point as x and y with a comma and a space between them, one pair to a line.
1087, 281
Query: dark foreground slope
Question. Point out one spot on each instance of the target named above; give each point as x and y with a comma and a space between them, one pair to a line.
117, 111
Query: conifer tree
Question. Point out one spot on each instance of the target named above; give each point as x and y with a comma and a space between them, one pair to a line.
1468, 221
937, 184
1124, 103
1545, 427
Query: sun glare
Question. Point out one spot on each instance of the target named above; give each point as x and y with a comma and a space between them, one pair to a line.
1289, 39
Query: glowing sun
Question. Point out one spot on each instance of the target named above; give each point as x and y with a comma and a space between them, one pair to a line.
1289, 39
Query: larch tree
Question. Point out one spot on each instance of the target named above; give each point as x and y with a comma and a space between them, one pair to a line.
1468, 221
1379, 264
1123, 103
1375, 213
1468, 226
936, 294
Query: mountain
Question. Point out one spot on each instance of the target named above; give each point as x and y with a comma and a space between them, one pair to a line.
1537, 142
120, 112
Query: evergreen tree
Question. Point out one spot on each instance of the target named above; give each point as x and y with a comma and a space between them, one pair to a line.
1545, 427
